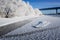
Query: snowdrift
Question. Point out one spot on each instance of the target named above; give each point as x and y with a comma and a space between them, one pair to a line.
17, 8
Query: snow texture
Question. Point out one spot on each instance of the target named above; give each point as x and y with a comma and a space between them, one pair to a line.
7, 21
48, 34
27, 32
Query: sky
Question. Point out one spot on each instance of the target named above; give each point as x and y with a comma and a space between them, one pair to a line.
44, 3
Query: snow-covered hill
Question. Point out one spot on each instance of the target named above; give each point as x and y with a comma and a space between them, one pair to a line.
12, 8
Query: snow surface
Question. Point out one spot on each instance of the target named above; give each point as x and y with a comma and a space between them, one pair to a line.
7, 21
19, 11
49, 32
54, 22
41, 24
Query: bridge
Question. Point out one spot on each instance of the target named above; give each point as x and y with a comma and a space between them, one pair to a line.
52, 8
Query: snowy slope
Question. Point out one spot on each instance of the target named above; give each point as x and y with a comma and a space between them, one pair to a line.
49, 32
7, 21
54, 22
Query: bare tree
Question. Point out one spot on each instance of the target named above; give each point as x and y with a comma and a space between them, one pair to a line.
8, 11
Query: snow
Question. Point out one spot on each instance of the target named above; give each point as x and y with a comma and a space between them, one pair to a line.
19, 8
49, 32
41, 24
20, 11
54, 22
16, 10
7, 21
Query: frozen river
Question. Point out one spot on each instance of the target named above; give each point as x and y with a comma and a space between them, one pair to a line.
28, 32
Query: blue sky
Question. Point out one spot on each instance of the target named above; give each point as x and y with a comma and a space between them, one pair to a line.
44, 3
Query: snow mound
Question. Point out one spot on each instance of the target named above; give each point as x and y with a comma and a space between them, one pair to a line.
17, 8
